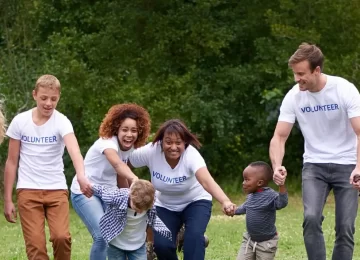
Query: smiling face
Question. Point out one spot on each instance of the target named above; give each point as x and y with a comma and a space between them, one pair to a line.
252, 180
307, 79
173, 146
127, 134
46, 100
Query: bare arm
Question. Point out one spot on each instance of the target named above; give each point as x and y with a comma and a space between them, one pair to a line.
355, 122
9, 179
277, 143
73, 149
121, 168
209, 184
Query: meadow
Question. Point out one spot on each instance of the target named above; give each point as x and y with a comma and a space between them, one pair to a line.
225, 235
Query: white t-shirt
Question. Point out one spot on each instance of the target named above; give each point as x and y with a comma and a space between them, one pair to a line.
324, 120
41, 150
97, 168
175, 188
134, 234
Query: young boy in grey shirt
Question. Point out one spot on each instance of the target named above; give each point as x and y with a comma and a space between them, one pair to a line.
260, 240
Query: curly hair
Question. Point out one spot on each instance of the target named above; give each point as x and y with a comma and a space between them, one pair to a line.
116, 116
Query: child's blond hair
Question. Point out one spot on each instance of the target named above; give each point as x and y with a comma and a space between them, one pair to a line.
47, 81
2, 125
142, 194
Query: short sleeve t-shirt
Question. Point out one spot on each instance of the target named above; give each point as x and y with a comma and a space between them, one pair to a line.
324, 120
97, 168
42, 147
175, 188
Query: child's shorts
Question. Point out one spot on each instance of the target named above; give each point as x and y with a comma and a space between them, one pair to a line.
257, 250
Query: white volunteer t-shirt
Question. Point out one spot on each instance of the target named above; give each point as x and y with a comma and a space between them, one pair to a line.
42, 147
175, 188
134, 234
324, 120
97, 168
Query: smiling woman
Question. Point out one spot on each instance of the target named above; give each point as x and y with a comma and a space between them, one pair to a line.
124, 127
184, 188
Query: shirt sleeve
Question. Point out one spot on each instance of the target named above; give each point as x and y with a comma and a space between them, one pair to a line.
140, 157
194, 159
352, 101
241, 209
104, 144
281, 200
13, 130
156, 223
287, 113
65, 126
112, 196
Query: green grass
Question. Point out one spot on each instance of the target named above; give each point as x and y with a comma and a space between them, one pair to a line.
225, 235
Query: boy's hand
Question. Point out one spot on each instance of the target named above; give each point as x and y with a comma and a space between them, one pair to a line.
85, 186
279, 176
10, 212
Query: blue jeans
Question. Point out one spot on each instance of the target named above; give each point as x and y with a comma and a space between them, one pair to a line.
196, 217
115, 253
317, 181
90, 210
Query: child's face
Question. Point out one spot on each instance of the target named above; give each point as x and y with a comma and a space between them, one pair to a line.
252, 180
46, 100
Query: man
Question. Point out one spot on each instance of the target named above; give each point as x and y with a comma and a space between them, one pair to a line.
327, 109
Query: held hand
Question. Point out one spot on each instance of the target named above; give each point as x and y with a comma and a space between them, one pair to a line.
10, 212
228, 208
279, 176
85, 186
355, 178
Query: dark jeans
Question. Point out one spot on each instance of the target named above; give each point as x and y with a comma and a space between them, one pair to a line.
196, 217
317, 181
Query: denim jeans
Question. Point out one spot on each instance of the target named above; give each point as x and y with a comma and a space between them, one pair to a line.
90, 210
196, 217
317, 181
115, 253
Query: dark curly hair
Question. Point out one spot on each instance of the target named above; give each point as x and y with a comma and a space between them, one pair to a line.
118, 113
176, 126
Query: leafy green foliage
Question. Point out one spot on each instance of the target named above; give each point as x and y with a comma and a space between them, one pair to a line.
221, 66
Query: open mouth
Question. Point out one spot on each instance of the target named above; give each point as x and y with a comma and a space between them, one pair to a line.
125, 142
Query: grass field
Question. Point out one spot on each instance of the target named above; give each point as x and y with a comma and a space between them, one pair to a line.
225, 235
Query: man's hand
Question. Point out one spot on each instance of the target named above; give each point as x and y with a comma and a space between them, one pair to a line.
85, 186
355, 178
10, 212
279, 176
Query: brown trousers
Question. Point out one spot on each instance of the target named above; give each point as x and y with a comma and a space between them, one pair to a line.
34, 207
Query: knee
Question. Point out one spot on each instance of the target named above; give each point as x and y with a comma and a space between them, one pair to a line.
345, 229
312, 220
163, 248
99, 240
61, 238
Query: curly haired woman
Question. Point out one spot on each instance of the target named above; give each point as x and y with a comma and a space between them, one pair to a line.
125, 127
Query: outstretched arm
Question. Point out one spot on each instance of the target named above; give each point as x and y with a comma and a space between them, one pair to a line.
156, 223
241, 209
281, 200
209, 184
277, 150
